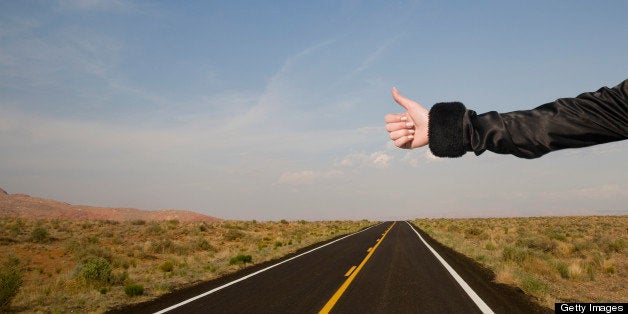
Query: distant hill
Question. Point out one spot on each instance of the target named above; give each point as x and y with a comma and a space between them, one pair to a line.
25, 206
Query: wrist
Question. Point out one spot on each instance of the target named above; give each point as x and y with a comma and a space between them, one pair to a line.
445, 132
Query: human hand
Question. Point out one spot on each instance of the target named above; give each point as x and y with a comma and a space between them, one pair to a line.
409, 129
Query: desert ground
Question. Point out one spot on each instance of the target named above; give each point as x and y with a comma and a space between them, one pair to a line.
554, 259
58, 257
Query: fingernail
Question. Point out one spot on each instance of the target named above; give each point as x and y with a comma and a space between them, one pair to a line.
410, 137
409, 124
411, 131
404, 118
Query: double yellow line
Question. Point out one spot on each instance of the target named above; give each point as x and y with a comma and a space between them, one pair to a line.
330, 304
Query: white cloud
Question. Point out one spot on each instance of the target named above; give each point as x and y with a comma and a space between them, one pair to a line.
381, 160
410, 159
377, 159
308, 177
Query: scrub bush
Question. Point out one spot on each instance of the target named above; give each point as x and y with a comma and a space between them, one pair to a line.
96, 269
133, 290
10, 280
241, 259
40, 235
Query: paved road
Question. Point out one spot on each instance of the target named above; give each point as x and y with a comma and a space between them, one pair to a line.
384, 269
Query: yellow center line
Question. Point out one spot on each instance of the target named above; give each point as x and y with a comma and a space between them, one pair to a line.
330, 304
350, 270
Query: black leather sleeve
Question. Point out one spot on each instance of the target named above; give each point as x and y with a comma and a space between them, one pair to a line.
588, 119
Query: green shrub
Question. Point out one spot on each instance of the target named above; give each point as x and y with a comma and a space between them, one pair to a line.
453, 228
616, 246
474, 231
241, 259
133, 290
556, 233
96, 269
17, 228
166, 267
537, 243
40, 235
563, 269
204, 245
233, 234
92, 239
10, 280
155, 228
531, 284
610, 269
515, 254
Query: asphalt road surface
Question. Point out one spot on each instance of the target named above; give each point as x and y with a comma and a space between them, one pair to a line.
387, 268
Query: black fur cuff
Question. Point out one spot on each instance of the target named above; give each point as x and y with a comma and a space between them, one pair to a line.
445, 129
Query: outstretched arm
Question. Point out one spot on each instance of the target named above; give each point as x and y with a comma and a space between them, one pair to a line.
588, 119
451, 130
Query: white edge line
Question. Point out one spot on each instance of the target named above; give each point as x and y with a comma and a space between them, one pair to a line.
478, 301
255, 273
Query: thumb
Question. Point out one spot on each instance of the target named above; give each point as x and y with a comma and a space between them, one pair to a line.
403, 101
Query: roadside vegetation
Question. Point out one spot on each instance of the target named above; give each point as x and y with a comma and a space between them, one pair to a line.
61, 266
553, 259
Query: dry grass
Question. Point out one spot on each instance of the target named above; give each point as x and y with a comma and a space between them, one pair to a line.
85, 266
554, 259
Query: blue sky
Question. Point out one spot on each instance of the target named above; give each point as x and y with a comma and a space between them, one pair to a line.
272, 110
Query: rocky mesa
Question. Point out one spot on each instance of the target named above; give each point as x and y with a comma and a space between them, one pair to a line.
25, 206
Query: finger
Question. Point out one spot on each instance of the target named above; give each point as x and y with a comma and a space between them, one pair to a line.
403, 101
403, 141
391, 127
392, 117
401, 133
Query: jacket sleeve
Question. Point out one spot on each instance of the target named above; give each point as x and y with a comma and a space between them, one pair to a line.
588, 119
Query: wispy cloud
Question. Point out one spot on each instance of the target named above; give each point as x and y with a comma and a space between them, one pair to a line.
95, 5
378, 159
374, 56
62, 60
308, 177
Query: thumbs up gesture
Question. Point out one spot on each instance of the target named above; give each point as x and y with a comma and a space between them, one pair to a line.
408, 129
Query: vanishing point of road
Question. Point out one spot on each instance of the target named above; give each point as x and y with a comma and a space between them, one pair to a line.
388, 268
